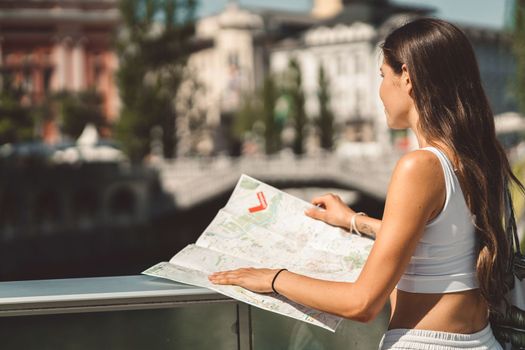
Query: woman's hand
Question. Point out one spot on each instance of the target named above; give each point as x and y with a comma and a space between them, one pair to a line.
333, 211
256, 280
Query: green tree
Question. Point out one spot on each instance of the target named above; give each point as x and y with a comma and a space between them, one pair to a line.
77, 109
325, 121
153, 48
519, 51
297, 112
247, 115
259, 108
272, 128
17, 122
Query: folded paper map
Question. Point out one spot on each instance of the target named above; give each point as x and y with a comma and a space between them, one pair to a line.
261, 226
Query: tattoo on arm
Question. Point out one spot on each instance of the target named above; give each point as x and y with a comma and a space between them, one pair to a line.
367, 230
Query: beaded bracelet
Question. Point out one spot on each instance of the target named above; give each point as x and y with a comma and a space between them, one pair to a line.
353, 225
275, 277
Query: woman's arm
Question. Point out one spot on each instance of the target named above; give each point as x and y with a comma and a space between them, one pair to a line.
335, 212
367, 225
416, 192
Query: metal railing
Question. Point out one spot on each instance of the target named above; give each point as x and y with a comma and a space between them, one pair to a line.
138, 311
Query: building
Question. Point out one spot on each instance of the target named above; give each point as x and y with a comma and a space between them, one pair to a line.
346, 46
52, 45
236, 61
497, 65
341, 35
247, 44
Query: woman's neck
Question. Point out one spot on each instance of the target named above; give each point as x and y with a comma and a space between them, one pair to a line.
421, 140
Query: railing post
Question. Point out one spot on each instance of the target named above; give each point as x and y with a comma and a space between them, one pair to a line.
244, 326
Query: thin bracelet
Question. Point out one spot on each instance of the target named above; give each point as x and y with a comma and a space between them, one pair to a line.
353, 225
274, 278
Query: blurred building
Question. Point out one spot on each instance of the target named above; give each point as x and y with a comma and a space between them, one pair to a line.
246, 44
237, 58
342, 36
347, 47
52, 45
497, 65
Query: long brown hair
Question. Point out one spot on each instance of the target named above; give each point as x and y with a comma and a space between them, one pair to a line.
454, 112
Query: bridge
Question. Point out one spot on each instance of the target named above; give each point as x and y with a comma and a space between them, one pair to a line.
191, 181
86, 197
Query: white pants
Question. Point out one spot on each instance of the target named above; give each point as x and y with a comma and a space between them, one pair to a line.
419, 339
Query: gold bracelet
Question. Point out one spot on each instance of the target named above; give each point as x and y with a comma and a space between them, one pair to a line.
353, 225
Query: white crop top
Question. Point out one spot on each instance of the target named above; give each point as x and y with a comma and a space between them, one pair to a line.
445, 258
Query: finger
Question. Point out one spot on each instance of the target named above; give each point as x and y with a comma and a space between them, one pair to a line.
325, 199
228, 281
229, 273
221, 276
315, 213
228, 278
319, 200
321, 205
220, 273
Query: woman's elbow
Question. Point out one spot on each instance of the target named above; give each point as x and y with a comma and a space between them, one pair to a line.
364, 316
362, 312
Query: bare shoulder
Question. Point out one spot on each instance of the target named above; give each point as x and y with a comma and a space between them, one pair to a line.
418, 183
419, 163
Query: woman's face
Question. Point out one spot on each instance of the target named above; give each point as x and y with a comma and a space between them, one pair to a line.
395, 92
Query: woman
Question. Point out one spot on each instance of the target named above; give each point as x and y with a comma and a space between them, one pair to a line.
441, 251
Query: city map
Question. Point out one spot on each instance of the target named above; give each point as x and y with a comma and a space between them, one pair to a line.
261, 226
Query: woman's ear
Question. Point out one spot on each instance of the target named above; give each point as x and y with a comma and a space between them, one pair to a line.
405, 79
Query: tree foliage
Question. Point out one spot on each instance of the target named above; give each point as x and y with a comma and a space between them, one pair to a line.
258, 109
264, 106
325, 121
297, 112
71, 110
272, 129
17, 122
153, 48
77, 109
248, 114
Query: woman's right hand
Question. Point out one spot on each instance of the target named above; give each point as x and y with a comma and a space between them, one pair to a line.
332, 210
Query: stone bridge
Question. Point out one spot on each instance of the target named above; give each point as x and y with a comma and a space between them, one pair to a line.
191, 181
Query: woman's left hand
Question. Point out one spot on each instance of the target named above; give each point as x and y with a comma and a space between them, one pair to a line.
256, 280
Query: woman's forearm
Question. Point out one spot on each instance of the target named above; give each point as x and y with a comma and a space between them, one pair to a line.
368, 226
338, 298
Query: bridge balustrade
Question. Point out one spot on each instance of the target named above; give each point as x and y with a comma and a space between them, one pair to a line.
207, 177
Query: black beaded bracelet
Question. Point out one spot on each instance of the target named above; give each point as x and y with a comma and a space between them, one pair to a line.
274, 278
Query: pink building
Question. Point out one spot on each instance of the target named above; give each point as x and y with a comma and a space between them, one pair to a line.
53, 45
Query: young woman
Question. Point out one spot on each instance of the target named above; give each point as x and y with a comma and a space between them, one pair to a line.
441, 251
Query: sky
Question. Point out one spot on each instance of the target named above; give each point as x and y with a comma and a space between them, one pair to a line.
490, 13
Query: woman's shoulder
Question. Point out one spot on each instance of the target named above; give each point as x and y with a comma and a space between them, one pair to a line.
419, 164
418, 176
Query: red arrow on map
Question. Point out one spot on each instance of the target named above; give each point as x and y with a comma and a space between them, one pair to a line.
262, 203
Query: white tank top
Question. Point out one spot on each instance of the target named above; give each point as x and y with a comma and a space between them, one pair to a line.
445, 257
